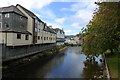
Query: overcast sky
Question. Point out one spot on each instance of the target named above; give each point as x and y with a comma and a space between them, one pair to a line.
71, 15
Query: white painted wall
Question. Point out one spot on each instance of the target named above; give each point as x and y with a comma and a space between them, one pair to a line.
59, 35
11, 39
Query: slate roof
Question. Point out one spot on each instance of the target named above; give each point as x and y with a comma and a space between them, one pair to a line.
49, 29
29, 13
11, 8
57, 29
23, 32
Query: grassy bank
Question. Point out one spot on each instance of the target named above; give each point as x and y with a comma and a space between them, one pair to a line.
113, 64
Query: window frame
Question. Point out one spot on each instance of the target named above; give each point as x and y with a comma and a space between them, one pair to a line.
38, 37
18, 36
7, 15
41, 38
26, 37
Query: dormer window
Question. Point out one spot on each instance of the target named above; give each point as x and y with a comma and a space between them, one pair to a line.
7, 15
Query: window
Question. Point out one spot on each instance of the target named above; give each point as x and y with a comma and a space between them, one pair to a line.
37, 30
38, 37
38, 23
44, 38
41, 23
0, 16
41, 38
7, 15
18, 36
6, 25
0, 25
26, 37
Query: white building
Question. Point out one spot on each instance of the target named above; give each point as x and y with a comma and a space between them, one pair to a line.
73, 40
60, 36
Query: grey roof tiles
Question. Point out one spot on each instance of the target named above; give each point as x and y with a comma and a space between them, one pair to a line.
11, 8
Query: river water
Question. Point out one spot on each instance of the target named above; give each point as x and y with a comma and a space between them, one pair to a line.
69, 64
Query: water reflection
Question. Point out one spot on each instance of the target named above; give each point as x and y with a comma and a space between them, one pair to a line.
92, 70
69, 64
71, 67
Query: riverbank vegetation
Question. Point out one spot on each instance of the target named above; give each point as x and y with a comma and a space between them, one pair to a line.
73, 45
103, 31
102, 34
51, 52
113, 63
44, 55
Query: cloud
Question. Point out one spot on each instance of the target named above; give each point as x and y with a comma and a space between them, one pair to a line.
79, 5
76, 25
29, 4
32, 4
83, 14
60, 20
68, 31
46, 13
54, 25
64, 9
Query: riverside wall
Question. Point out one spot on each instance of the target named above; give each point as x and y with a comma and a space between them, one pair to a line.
16, 52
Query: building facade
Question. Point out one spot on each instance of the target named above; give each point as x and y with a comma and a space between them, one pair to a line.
41, 33
23, 33
73, 40
60, 36
13, 27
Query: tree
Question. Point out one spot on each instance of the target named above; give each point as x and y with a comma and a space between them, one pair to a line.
103, 31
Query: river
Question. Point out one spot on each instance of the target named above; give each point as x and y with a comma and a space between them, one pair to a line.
69, 64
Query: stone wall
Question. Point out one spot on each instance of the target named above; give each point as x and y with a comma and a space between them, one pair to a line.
14, 52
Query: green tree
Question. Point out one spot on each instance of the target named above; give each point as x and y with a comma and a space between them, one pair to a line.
103, 31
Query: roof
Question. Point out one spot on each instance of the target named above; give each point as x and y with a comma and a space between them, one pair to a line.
29, 13
23, 32
58, 29
49, 29
11, 8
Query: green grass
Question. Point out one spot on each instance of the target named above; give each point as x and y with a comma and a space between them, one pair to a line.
113, 64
